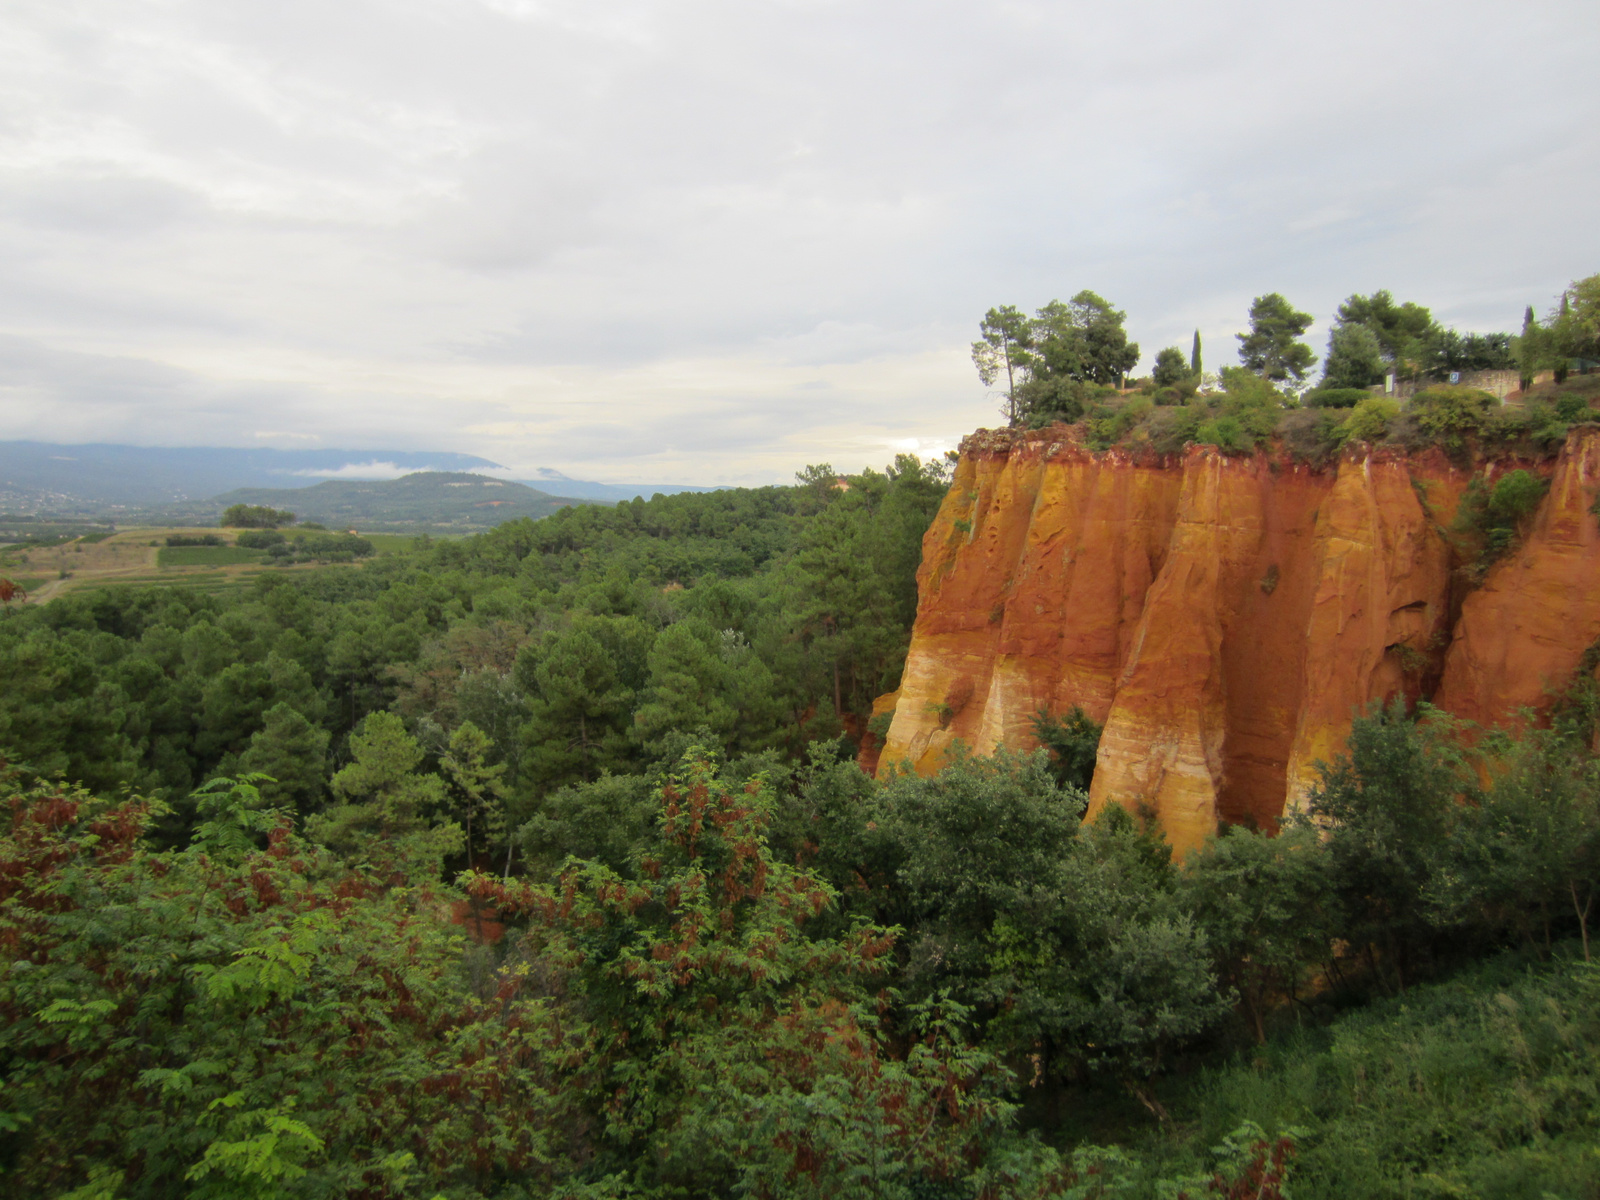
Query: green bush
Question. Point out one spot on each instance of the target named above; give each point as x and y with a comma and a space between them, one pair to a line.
1073, 742
1369, 420
1172, 428
1516, 495
1110, 424
1047, 401
1251, 404
1450, 413
878, 725
322, 547
1481, 1087
1571, 408
1491, 518
260, 539
1335, 397
255, 516
1509, 425
1313, 434
1226, 434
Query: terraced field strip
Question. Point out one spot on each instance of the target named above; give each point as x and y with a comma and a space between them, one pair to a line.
140, 557
205, 556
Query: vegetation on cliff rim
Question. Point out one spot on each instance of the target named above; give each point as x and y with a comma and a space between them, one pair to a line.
1068, 362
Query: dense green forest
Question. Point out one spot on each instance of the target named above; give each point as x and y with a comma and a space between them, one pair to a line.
539, 864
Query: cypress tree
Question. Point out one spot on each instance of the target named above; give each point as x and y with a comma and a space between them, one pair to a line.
1528, 348
1194, 356
1561, 340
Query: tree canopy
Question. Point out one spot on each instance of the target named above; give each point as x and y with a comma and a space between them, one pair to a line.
1272, 348
1056, 360
1373, 336
256, 516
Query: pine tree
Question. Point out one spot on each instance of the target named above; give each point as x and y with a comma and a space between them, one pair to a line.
384, 805
1005, 347
1271, 349
476, 794
293, 752
1194, 356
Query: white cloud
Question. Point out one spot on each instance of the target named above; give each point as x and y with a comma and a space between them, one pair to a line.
365, 470
711, 240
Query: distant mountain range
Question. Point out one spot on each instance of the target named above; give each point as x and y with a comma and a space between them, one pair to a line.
148, 476
134, 482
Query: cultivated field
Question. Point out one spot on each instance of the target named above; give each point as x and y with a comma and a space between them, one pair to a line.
140, 557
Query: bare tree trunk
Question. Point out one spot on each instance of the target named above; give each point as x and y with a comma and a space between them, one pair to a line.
1011, 389
1583, 916
1252, 1007
1144, 1096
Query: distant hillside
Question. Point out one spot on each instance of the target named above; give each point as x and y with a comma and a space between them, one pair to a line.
581, 489
449, 499
37, 476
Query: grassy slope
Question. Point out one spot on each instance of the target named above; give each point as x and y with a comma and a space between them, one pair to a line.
1486, 1085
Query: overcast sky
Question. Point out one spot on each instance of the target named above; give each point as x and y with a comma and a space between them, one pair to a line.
686, 241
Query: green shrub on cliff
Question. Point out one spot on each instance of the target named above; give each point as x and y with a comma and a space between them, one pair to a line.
1226, 434
1073, 741
1369, 420
1489, 520
1335, 397
1110, 424
1451, 413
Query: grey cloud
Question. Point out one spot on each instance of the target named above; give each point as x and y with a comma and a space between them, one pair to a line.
75, 396
114, 206
425, 208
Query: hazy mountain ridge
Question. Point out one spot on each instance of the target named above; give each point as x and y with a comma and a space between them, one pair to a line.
104, 474
546, 479
131, 483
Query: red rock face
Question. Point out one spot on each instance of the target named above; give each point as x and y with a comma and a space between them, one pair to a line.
1225, 618
1523, 632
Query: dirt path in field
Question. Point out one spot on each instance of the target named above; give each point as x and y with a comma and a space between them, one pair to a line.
125, 555
128, 556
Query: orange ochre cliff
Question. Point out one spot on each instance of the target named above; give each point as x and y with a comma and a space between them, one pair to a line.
1225, 618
